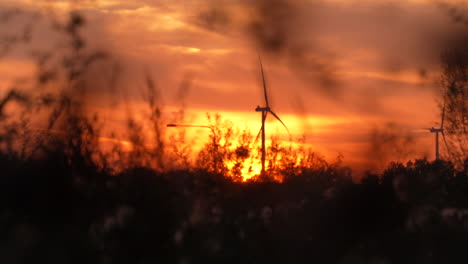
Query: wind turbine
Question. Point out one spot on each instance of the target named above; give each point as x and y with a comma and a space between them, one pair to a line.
265, 110
437, 131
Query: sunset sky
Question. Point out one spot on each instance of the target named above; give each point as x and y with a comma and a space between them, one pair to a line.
336, 70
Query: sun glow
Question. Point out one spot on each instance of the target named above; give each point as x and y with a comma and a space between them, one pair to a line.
249, 168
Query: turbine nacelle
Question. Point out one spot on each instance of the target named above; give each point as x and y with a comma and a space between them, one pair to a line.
263, 109
434, 130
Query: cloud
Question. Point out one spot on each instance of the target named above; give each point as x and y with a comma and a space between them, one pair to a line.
373, 60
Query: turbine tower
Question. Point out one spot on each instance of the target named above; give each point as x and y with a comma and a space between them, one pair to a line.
437, 131
265, 110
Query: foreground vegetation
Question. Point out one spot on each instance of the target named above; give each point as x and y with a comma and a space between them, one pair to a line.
63, 209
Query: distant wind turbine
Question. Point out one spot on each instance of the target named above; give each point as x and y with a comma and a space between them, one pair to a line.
437, 131
265, 110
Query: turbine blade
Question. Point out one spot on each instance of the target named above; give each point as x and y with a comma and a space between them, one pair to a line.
264, 82
259, 132
277, 117
443, 117
258, 135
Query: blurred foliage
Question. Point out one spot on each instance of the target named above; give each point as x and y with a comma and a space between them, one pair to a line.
54, 210
454, 80
65, 199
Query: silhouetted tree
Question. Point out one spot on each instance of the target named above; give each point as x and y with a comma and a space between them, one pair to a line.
455, 100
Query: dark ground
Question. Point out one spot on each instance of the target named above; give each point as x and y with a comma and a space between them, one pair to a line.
57, 210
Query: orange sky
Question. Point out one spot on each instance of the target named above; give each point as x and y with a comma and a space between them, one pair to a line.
336, 70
